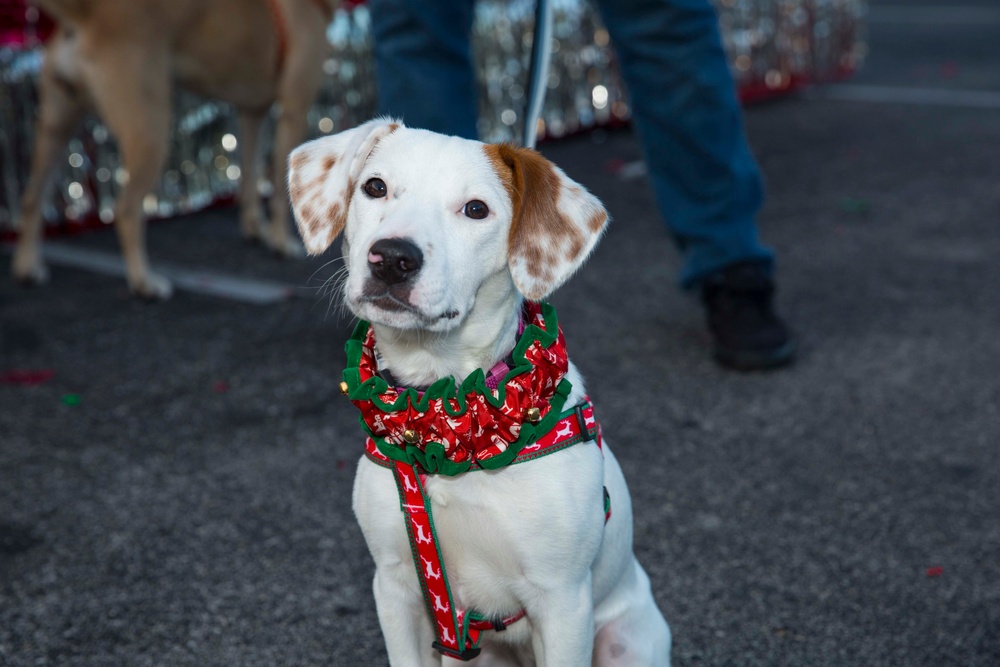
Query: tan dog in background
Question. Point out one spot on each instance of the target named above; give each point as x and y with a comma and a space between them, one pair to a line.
122, 57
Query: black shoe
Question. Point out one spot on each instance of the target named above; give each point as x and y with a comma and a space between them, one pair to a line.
746, 332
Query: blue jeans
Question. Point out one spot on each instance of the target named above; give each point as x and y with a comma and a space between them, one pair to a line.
684, 108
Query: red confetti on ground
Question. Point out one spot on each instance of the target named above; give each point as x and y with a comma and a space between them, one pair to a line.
25, 377
935, 571
220, 387
341, 464
949, 70
614, 166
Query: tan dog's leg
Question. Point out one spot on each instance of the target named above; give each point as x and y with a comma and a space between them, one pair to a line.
297, 89
289, 131
62, 106
250, 214
131, 86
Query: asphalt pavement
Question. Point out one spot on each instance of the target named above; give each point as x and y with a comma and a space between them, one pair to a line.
178, 491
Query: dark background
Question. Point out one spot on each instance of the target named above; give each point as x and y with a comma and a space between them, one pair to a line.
194, 507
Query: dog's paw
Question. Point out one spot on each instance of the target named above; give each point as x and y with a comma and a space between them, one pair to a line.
251, 229
288, 247
151, 287
29, 269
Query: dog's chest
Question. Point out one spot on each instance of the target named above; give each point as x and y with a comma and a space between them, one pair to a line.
481, 543
503, 535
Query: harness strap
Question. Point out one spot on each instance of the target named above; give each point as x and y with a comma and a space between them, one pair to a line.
458, 631
415, 505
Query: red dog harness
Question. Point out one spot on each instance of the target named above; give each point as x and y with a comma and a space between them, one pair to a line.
486, 423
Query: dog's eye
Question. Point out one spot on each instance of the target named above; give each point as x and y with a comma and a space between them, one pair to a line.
476, 210
374, 188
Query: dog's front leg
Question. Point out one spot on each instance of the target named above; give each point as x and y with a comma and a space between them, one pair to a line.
131, 85
406, 626
563, 623
250, 122
62, 107
297, 89
289, 130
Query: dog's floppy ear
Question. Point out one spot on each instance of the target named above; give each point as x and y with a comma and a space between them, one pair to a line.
556, 221
321, 175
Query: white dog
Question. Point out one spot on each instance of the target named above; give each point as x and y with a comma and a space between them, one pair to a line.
445, 240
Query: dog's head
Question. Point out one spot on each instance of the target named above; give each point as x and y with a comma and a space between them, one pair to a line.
430, 220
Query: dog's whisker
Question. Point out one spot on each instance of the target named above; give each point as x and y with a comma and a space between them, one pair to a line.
332, 261
333, 291
327, 295
342, 271
326, 292
337, 272
322, 289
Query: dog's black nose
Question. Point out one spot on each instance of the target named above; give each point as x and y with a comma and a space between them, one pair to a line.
394, 260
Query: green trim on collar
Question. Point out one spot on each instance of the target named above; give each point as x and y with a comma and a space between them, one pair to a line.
444, 388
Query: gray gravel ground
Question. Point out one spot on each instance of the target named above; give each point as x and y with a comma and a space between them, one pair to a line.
786, 518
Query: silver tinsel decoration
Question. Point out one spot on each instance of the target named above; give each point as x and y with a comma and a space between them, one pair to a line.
773, 45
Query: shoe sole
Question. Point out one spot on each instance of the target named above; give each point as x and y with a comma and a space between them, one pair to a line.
754, 360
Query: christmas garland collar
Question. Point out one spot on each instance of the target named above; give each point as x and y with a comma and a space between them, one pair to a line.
445, 428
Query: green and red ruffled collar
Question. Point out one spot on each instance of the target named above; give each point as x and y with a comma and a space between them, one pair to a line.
446, 428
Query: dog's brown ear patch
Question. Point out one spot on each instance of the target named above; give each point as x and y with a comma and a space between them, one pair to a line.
555, 224
321, 179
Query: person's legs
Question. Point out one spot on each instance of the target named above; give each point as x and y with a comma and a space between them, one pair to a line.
685, 110
706, 181
423, 59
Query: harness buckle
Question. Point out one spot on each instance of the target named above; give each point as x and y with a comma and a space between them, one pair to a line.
468, 654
